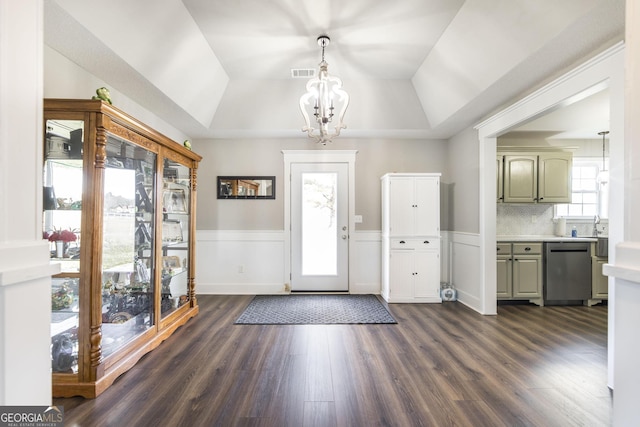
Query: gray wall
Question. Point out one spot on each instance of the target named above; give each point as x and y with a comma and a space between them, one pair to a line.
264, 157
462, 188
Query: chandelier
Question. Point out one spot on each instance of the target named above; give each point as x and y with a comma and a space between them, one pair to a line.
324, 97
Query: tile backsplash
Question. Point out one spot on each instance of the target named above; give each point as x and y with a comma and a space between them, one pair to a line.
537, 220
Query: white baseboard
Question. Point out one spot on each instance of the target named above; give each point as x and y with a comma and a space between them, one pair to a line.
240, 289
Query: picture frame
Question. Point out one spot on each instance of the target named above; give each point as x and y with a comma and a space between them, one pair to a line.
171, 262
174, 200
172, 231
246, 187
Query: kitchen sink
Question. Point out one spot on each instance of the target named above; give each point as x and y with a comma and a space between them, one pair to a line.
602, 247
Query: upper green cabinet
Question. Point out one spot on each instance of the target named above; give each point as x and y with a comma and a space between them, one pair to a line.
554, 177
534, 177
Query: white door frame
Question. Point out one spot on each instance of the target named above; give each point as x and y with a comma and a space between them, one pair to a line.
316, 156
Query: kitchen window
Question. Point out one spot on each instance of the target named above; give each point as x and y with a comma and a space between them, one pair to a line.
584, 191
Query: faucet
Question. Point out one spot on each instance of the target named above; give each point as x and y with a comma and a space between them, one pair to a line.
596, 221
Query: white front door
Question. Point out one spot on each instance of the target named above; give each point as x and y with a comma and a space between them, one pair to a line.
319, 227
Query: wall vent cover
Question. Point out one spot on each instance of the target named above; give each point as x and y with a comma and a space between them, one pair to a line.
303, 73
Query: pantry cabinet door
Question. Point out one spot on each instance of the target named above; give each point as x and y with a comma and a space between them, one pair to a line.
427, 207
401, 206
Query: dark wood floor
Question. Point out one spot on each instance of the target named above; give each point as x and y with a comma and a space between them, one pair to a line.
441, 365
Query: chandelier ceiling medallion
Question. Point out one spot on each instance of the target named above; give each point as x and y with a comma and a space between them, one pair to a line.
324, 96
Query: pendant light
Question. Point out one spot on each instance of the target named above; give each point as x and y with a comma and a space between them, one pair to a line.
603, 175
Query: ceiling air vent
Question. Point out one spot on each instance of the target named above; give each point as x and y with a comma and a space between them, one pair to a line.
303, 73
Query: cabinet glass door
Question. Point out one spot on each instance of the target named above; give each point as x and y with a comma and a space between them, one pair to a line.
176, 196
127, 243
62, 216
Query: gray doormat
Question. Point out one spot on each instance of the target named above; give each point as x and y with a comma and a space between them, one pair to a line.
314, 309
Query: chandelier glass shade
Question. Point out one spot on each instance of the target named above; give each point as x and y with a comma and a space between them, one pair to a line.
324, 103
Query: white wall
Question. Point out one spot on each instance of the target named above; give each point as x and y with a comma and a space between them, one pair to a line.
25, 285
625, 268
65, 79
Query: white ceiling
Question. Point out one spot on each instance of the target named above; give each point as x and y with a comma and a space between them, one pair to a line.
582, 119
413, 68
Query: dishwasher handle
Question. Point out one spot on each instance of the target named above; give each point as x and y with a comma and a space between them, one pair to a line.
569, 250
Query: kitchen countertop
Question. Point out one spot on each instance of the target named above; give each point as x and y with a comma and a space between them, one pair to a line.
549, 238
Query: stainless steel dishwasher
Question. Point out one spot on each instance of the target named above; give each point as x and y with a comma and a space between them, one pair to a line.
567, 272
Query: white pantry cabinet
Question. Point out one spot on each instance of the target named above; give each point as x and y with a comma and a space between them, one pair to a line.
411, 237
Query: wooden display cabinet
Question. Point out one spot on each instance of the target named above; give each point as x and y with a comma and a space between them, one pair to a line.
119, 211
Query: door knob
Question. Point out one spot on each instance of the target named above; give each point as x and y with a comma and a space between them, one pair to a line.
344, 237
344, 228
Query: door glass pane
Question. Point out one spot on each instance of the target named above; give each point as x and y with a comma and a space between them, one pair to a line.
127, 255
176, 196
319, 228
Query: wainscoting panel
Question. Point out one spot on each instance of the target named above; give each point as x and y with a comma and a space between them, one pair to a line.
365, 263
465, 272
252, 262
240, 262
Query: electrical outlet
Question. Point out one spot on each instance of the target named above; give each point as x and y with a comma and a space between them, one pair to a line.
534, 219
357, 219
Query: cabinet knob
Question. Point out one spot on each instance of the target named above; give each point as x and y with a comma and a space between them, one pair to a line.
541, 198
426, 241
402, 242
498, 249
527, 249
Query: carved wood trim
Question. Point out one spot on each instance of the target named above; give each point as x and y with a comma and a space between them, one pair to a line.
101, 148
194, 180
96, 346
132, 136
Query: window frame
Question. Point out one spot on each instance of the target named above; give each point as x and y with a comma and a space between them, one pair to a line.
596, 163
